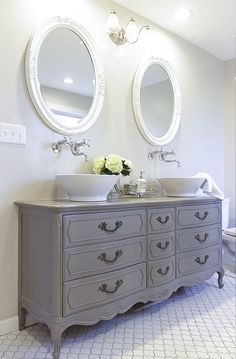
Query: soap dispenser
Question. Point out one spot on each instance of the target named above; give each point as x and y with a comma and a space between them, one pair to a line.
141, 185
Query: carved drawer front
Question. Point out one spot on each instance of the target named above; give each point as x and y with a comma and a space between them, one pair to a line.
200, 215
196, 261
160, 271
160, 245
198, 238
161, 220
84, 261
84, 228
93, 291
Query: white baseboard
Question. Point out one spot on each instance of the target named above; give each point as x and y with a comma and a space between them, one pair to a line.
9, 325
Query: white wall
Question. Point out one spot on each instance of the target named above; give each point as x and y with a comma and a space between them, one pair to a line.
230, 136
28, 171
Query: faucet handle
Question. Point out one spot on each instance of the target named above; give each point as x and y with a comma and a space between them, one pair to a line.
56, 147
77, 145
85, 142
66, 140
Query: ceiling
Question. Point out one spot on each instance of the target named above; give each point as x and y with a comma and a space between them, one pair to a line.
211, 27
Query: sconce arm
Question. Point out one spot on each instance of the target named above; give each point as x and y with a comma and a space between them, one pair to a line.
147, 27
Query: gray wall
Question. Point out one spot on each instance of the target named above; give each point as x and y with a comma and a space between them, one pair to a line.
230, 136
29, 171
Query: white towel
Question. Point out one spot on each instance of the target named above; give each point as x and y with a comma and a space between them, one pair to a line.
209, 186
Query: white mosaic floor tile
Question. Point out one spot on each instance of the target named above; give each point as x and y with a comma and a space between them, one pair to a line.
196, 322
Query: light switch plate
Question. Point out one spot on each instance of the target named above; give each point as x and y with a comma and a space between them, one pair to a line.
11, 133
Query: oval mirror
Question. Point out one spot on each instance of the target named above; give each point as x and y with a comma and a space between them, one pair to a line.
156, 101
64, 76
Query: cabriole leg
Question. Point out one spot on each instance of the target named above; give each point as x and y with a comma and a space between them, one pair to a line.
220, 278
56, 341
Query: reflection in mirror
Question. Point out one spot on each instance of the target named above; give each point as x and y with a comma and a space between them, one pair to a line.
64, 76
156, 101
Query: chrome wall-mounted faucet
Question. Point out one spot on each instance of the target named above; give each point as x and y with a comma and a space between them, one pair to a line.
162, 155
75, 146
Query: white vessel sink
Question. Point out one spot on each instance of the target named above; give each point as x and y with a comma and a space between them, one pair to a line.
181, 186
87, 187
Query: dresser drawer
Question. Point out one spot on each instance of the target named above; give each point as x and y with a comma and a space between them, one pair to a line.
97, 290
160, 220
160, 271
198, 238
85, 261
198, 260
198, 216
97, 227
160, 245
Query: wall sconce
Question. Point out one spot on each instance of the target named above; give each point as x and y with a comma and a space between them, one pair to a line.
120, 36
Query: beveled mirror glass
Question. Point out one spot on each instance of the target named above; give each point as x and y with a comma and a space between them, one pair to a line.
64, 76
156, 101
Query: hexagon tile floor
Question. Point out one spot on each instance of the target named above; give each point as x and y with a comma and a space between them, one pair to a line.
196, 322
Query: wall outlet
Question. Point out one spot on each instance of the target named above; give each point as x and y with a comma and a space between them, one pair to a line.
11, 133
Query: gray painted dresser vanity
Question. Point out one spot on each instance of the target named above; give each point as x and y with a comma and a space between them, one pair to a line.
80, 263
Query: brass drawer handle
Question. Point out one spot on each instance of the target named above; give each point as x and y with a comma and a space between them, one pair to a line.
197, 214
103, 226
103, 256
198, 238
163, 221
198, 260
159, 245
103, 287
165, 272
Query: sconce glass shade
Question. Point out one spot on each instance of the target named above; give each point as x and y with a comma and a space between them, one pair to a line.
113, 24
132, 31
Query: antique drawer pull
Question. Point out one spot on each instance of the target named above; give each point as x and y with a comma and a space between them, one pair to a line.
163, 221
103, 226
198, 260
103, 287
103, 256
197, 214
198, 238
159, 245
163, 273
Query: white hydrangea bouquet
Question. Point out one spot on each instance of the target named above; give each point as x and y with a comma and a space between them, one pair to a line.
112, 165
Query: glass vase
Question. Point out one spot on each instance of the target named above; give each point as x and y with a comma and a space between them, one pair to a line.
116, 191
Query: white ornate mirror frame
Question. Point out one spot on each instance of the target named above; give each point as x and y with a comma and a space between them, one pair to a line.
137, 83
31, 70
